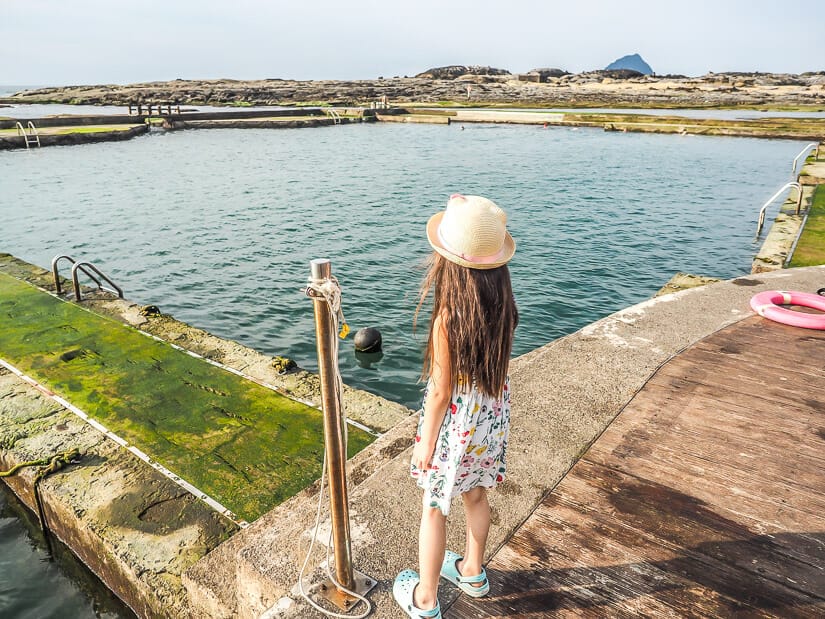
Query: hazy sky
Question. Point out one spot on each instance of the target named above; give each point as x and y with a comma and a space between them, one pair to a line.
111, 41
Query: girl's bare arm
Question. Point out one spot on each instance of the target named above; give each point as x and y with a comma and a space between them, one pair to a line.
438, 397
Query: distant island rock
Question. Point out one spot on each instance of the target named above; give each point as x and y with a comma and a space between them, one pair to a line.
633, 62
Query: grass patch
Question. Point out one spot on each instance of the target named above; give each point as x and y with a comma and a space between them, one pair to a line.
247, 446
810, 250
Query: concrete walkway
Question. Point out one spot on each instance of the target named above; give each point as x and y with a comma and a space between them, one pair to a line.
565, 395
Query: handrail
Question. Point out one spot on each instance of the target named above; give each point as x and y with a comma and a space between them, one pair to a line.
802, 152
336, 117
55, 274
22, 131
34, 132
774, 197
77, 265
30, 135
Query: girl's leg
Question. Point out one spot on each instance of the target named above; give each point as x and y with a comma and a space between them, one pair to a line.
432, 540
477, 511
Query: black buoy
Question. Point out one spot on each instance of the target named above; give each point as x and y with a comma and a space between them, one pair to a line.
368, 339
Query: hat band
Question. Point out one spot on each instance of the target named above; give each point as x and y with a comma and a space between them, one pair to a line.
474, 259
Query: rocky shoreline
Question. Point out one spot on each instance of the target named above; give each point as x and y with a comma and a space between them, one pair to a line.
590, 89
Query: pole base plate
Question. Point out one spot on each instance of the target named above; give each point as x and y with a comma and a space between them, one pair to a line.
327, 590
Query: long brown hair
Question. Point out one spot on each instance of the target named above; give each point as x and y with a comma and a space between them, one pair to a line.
479, 315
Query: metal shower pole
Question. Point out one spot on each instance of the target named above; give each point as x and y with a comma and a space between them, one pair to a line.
335, 446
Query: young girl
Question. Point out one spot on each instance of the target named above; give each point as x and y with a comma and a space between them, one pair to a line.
464, 425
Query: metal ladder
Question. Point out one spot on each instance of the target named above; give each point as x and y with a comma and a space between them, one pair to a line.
29, 134
87, 268
774, 197
336, 117
802, 152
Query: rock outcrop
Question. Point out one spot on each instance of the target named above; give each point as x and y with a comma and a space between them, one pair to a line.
488, 86
451, 72
545, 74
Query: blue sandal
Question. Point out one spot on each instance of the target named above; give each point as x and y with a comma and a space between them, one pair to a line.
402, 590
449, 571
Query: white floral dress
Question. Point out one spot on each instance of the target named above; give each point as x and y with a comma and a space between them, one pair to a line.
471, 445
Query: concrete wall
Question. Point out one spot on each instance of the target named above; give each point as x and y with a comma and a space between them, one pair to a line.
63, 139
127, 119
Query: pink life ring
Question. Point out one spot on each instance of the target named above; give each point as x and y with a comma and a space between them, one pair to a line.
767, 304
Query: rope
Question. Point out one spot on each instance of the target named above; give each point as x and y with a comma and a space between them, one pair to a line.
58, 462
330, 290
55, 463
47, 467
22, 465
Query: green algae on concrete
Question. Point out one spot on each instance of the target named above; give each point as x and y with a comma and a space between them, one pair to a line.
683, 281
810, 249
247, 446
774, 127
42, 131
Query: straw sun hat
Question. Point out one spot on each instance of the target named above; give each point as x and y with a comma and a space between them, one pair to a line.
471, 232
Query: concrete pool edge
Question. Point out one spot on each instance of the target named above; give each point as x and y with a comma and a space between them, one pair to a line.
87, 129
134, 528
371, 410
779, 244
565, 394
68, 130
70, 137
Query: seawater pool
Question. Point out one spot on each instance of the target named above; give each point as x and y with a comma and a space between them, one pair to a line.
218, 227
35, 586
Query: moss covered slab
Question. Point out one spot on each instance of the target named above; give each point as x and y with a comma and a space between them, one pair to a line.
247, 446
42, 131
810, 250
